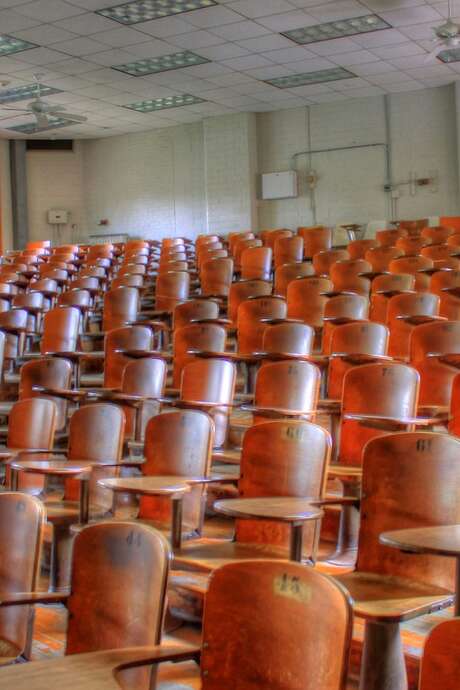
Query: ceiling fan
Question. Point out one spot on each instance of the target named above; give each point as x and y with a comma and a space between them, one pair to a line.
447, 35
45, 113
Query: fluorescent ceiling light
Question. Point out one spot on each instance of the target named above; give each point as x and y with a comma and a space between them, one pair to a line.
32, 127
164, 103
338, 29
146, 10
450, 55
318, 77
10, 45
22, 93
139, 68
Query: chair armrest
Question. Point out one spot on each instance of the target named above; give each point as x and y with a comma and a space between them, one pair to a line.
72, 395
418, 421
25, 598
274, 411
336, 500
148, 322
193, 404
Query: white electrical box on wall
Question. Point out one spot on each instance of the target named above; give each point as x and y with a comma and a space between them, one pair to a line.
58, 216
279, 185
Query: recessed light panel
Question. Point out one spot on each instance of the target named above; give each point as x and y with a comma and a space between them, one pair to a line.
22, 93
164, 103
146, 10
451, 55
10, 45
32, 127
318, 77
139, 68
338, 29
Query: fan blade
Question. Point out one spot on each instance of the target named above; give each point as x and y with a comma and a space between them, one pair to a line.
42, 120
69, 116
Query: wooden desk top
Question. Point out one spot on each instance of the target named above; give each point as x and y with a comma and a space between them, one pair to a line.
58, 468
93, 671
267, 508
442, 540
147, 486
142, 354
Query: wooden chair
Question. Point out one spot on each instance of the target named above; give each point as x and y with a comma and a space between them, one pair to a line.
435, 353
350, 276
288, 336
121, 307
416, 266
388, 238
439, 252
31, 425
195, 310
339, 310
252, 318
117, 345
216, 277
411, 245
271, 236
289, 272
117, 602
273, 591
306, 299
405, 311
352, 345
287, 250
172, 288
358, 248
22, 520
242, 290
315, 239
240, 247
383, 288
440, 662
381, 256
322, 261
438, 234
14, 324
206, 337
389, 587
52, 373
286, 389
256, 263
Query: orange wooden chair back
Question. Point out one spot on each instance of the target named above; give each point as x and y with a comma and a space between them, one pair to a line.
358, 248
288, 250
51, 372
414, 265
60, 330
322, 261
212, 382
315, 239
305, 300
251, 320
288, 272
126, 338
171, 289
22, 521
278, 607
121, 306
178, 443
440, 666
409, 480
290, 337
397, 397
194, 310
383, 288
216, 277
388, 238
359, 338
282, 458
146, 377
256, 263
340, 309
14, 324
411, 246
407, 304
291, 387
243, 290
438, 234
380, 257
208, 337
272, 236
436, 376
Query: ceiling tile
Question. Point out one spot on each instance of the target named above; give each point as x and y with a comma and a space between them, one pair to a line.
149, 49
373, 68
212, 16
383, 37
247, 62
163, 28
334, 47
79, 46
287, 20
195, 39
48, 10
117, 56
413, 15
333, 11
263, 44
357, 58
260, 8
74, 66
119, 37
87, 24
288, 54
12, 21
41, 56
240, 31
224, 51
45, 34
399, 50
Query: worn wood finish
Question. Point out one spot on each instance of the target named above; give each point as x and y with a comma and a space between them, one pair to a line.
365, 338
339, 309
436, 374
251, 320
172, 288
194, 310
271, 236
216, 276
406, 305
268, 657
414, 265
178, 443
411, 246
306, 301
441, 659
22, 520
397, 386
288, 272
32, 424
454, 422
244, 289
60, 330
212, 382
293, 337
444, 280
384, 287
438, 234
290, 386
120, 307
387, 238
315, 239
14, 324
287, 250
358, 248
256, 263
50, 372
126, 338
142, 377
380, 257
322, 261
209, 337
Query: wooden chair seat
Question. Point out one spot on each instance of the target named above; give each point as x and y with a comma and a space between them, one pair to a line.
206, 554
392, 599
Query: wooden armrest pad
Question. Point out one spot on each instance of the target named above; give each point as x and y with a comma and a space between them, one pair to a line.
24, 598
60, 392
336, 500
274, 411
419, 421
